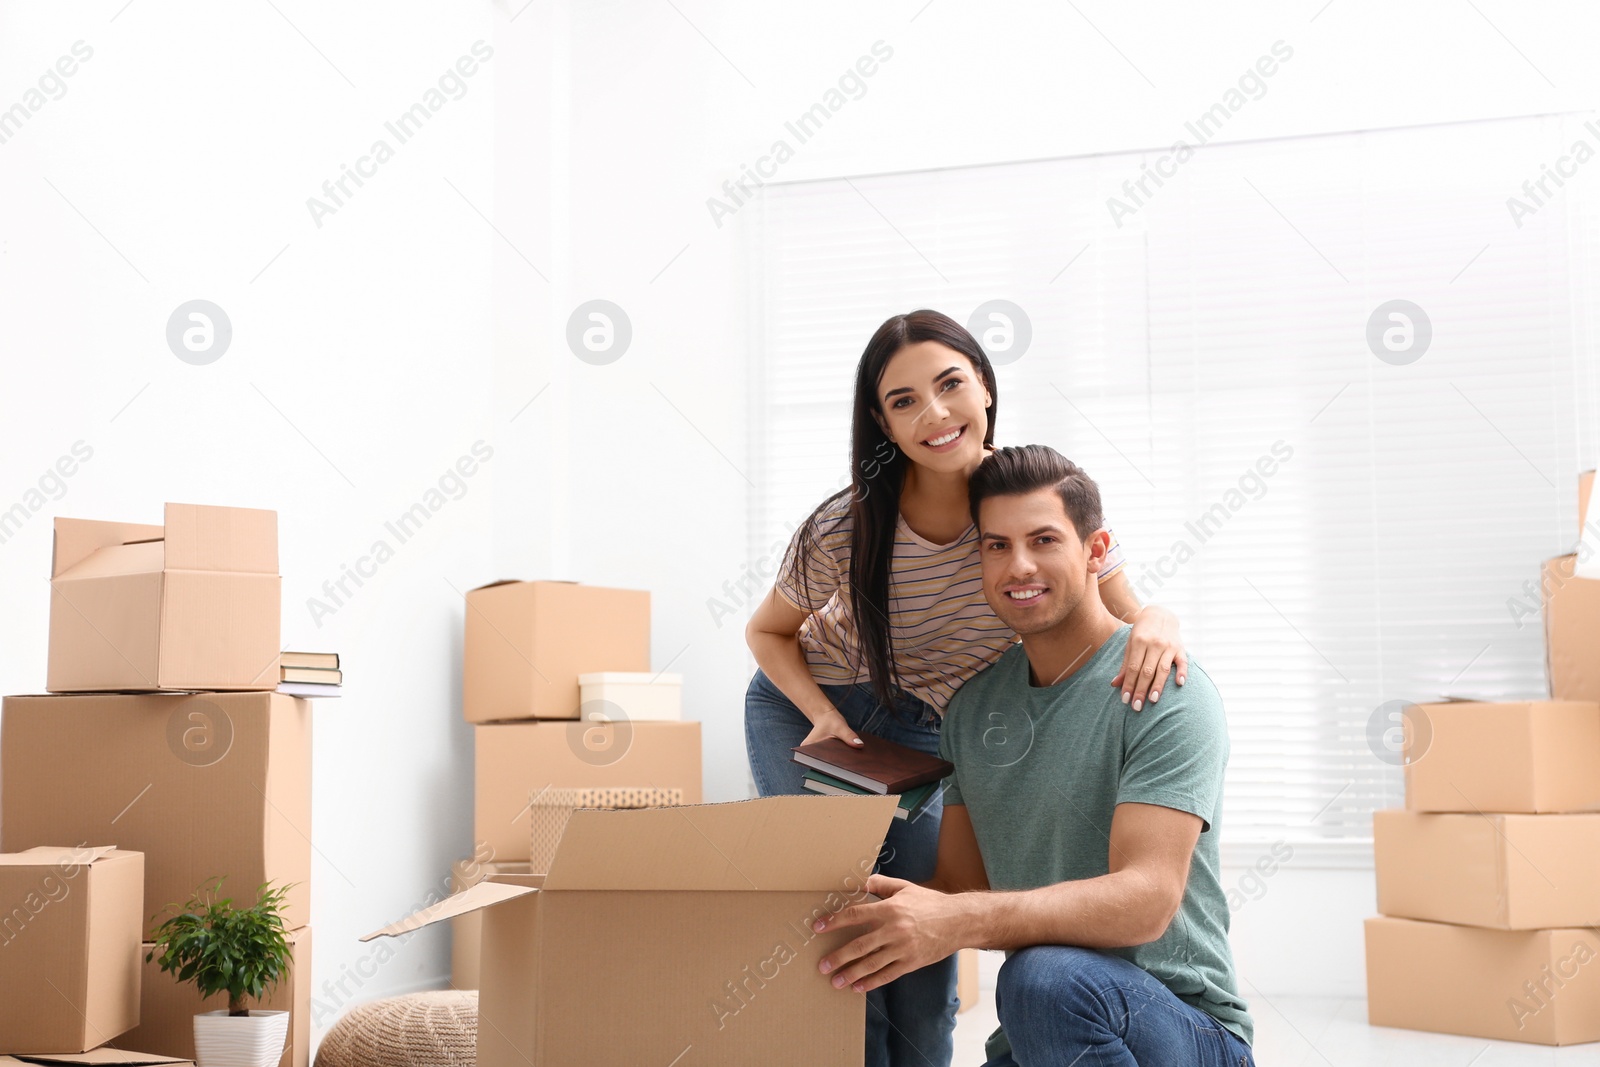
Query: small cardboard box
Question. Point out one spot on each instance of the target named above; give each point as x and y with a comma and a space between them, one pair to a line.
205, 785
1511, 872
1540, 986
1531, 756
466, 930
664, 930
515, 760
527, 642
191, 604
1571, 630
105, 1056
69, 947
639, 696
167, 1007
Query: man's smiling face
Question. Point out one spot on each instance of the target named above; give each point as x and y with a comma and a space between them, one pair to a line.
1036, 569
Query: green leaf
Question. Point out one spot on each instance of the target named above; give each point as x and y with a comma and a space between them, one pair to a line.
219, 947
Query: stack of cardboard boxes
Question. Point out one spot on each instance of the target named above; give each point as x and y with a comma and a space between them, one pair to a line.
526, 645
164, 737
547, 664
1489, 880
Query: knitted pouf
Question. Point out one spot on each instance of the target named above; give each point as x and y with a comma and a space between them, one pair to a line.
433, 1029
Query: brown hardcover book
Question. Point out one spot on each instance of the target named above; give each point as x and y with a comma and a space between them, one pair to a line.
878, 766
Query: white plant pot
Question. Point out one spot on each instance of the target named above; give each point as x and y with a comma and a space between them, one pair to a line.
253, 1040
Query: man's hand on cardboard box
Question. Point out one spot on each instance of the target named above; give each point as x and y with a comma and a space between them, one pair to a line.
909, 928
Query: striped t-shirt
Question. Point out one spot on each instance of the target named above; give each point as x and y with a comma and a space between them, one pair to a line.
943, 629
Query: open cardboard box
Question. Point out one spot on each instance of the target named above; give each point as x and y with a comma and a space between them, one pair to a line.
192, 604
466, 930
69, 947
675, 935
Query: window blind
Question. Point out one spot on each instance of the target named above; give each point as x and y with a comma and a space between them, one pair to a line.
1337, 531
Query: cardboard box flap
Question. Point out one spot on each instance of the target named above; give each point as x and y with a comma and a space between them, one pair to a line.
136, 557
516, 873
103, 1055
78, 539
774, 843
525, 581
202, 538
51, 856
491, 585
482, 895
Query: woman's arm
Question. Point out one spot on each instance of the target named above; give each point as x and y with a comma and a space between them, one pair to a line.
773, 635
1154, 647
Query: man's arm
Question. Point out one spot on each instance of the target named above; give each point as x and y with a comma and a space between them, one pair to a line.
959, 867
1150, 849
913, 926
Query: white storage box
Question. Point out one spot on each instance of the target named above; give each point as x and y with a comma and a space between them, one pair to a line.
639, 696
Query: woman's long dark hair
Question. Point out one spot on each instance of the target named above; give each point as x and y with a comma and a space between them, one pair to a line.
877, 475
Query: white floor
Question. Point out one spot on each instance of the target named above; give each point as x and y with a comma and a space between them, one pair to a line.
1316, 1032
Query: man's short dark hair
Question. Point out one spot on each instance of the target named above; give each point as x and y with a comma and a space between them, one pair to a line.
1028, 468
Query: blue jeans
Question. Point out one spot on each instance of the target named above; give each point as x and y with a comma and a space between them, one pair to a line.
1061, 1006
910, 1020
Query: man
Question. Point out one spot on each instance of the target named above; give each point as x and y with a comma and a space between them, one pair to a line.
1079, 836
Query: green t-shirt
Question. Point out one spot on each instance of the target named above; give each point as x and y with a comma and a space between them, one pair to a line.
1042, 769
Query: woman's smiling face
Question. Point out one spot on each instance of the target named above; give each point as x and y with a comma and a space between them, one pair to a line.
934, 406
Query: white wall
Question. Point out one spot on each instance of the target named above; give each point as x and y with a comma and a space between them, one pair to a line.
666, 102
373, 351
662, 111
359, 371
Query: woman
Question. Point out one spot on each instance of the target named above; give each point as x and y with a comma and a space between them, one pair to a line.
877, 617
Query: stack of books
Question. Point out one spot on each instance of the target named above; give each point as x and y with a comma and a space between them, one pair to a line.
310, 674
878, 767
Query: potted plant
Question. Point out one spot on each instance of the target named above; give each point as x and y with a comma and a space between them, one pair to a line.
240, 951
